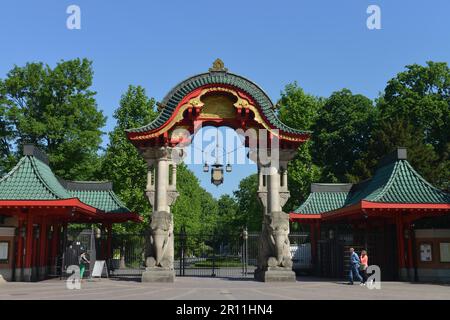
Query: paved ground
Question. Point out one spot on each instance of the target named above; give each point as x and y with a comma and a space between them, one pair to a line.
189, 288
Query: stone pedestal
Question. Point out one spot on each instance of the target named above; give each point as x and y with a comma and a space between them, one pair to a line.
275, 276
158, 275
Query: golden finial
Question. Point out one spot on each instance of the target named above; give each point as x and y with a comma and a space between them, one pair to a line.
218, 65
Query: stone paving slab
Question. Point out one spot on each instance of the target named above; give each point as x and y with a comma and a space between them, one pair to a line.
190, 288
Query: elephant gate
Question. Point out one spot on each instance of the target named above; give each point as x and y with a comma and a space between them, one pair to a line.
218, 98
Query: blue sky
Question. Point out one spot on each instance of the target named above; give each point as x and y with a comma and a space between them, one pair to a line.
323, 45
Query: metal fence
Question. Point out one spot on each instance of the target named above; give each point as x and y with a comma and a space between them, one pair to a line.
128, 255
203, 255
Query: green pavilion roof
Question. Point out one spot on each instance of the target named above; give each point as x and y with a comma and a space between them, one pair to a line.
32, 179
324, 197
174, 97
395, 181
97, 194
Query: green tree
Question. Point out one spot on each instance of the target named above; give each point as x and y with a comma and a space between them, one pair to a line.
56, 110
188, 210
300, 111
415, 113
6, 158
341, 135
249, 209
421, 95
229, 221
301, 173
210, 212
122, 163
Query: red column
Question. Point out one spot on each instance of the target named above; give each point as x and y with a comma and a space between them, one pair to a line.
42, 242
312, 227
55, 239
410, 247
109, 242
400, 241
34, 252
29, 241
102, 242
19, 257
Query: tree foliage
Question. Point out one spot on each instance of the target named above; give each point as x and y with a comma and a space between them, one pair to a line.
122, 163
341, 135
300, 111
194, 208
415, 112
55, 109
249, 209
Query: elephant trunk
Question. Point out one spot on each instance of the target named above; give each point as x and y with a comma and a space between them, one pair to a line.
160, 239
280, 241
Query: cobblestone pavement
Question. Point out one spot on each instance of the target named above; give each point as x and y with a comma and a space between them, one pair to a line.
190, 288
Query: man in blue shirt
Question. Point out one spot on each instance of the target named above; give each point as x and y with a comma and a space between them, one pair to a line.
354, 266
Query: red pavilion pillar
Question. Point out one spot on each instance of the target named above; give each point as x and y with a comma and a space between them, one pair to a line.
19, 255
400, 243
410, 258
102, 242
42, 248
312, 227
54, 246
28, 248
109, 242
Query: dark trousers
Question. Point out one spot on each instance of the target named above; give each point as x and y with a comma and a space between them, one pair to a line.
363, 274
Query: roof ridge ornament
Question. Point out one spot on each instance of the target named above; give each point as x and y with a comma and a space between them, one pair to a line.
218, 66
30, 149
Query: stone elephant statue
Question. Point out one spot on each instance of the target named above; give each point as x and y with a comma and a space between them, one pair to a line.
161, 245
274, 243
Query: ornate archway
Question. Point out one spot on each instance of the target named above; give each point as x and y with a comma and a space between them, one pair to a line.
218, 98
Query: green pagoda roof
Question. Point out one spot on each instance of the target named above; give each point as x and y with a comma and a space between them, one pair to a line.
395, 181
32, 179
97, 194
174, 97
325, 197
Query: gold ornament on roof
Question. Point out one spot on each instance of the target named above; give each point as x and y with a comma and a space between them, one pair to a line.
218, 65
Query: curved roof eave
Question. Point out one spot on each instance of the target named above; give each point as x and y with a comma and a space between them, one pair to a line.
173, 98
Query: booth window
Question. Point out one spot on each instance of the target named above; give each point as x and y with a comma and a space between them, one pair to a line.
4, 251
445, 251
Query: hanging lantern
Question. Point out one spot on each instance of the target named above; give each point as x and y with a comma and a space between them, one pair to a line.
205, 167
217, 174
228, 168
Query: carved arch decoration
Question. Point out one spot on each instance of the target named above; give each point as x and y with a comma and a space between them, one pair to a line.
187, 105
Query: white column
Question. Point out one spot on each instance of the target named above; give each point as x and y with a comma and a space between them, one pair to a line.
174, 175
274, 191
285, 178
162, 183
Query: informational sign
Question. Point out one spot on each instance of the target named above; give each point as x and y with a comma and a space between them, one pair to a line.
4, 250
425, 252
445, 251
99, 266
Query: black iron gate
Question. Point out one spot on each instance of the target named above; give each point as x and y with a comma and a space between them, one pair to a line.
215, 255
